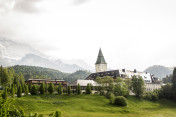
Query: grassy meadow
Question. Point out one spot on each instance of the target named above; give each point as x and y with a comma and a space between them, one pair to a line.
93, 106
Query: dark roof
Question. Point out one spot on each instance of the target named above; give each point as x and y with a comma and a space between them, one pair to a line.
100, 58
113, 74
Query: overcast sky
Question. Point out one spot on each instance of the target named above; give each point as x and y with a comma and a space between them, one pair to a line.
131, 33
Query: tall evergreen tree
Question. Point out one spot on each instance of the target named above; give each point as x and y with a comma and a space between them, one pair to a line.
78, 89
19, 92
26, 90
34, 90
174, 84
69, 90
12, 90
51, 88
60, 90
88, 89
4, 96
42, 88
5, 79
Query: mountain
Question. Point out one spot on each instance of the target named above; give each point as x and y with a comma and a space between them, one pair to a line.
13, 53
159, 71
32, 72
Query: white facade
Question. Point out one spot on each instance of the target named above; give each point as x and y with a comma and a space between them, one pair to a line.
152, 86
128, 74
101, 67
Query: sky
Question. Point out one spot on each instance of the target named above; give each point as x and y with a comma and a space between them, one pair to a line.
133, 34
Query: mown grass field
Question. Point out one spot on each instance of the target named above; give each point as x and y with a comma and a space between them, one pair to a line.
93, 106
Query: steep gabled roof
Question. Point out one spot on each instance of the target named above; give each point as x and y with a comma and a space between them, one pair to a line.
100, 58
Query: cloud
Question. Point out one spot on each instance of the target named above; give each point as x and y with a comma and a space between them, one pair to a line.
78, 2
27, 6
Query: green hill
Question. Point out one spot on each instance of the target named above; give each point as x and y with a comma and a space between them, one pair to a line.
32, 72
94, 106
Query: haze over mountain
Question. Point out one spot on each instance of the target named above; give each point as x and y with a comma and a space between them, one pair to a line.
13, 53
159, 71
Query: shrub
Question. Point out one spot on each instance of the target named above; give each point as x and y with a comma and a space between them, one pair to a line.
120, 101
19, 92
57, 114
102, 92
108, 95
112, 98
34, 90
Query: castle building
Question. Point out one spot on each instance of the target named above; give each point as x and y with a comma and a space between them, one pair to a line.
100, 65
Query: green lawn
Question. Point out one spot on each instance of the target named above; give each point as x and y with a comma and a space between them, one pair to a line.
94, 106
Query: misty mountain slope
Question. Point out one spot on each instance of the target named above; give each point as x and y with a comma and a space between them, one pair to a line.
13, 53
159, 71
13, 50
32, 72
34, 60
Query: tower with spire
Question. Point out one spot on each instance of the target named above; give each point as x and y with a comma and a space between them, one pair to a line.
100, 65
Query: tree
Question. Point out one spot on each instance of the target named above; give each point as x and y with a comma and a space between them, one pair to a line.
174, 83
51, 88
112, 98
34, 90
4, 96
60, 90
19, 92
12, 90
26, 90
69, 90
137, 85
121, 88
46, 88
42, 88
78, 89
5, 79
88, 89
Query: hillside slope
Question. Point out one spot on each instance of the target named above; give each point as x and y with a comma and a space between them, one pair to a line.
159, 71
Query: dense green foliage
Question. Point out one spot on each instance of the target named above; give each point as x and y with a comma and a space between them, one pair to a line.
34, 90
69, 90
32, 72
60, 90
88, 89
19, 92
51, 88
26, 90
137, 84
4, 95
120, 101
42, 88
78, 89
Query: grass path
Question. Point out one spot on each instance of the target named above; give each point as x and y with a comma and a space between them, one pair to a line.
94, 106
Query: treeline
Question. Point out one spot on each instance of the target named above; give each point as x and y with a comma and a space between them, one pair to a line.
32, 72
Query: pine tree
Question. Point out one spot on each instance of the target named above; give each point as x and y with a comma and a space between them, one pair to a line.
42, 88
88, 89
60, 90
19, 92
26, 90
46, 88
4, 96
174, 83
12, 90
69, 90
51, 88
34, 90
78, 89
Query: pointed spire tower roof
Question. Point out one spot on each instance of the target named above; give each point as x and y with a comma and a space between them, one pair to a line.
100, 58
